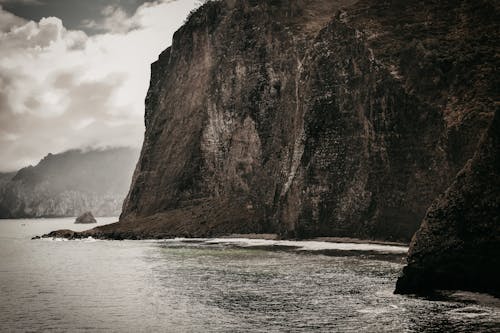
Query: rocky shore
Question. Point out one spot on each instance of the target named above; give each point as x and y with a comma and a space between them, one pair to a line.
320, 118
458, 244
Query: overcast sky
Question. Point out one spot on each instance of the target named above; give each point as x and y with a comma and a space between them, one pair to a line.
74, 73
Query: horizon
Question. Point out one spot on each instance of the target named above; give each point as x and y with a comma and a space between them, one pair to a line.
68, 79
306, 165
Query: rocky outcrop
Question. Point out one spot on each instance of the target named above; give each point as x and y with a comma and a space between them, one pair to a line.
458, 244
312, 126
86, 217
68, 183
311, 118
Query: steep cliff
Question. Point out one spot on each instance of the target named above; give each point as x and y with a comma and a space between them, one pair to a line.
458, 244
68, 184
311, 117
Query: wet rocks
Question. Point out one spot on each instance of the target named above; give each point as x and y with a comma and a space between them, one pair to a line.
64, 233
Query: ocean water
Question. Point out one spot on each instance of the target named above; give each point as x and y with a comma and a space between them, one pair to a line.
215, 285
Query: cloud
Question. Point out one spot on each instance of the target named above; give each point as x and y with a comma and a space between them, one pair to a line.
62, 89
115, 20
28, 2
9, 21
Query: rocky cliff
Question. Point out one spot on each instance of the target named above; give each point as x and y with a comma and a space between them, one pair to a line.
68, 184
311, 117
458, 244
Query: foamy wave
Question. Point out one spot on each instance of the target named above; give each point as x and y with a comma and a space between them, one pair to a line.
60, 239
301, 245
56, 239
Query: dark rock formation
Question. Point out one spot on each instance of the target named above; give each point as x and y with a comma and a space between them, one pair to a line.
68, 183
64, 233
86, 217
311, 117
458, 244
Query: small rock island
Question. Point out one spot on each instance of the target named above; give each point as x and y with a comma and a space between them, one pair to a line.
86, 218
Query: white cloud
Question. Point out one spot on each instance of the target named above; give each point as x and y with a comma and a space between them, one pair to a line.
61, 89
115, 20
8, 20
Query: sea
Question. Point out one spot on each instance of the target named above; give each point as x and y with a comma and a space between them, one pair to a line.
215, 285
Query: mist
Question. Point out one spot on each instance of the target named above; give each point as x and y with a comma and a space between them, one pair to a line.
64, 89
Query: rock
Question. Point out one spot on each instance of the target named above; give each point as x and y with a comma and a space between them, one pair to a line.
64, 233
311, 118
324, 127
86, 217
68, 183
458, 244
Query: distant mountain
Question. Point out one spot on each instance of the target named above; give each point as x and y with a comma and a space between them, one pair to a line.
68, 184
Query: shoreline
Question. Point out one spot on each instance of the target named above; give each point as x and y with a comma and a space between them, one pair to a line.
71, 235
319, 239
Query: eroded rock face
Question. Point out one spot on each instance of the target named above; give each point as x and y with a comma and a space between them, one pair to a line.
312, 117
458, 244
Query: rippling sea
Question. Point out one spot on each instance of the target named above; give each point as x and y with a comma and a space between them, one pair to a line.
214, 286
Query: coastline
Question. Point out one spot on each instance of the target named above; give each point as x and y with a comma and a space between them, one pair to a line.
319, 239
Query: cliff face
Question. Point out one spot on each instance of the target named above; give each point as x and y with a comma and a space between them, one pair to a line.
68, 184
458, 244
312, 117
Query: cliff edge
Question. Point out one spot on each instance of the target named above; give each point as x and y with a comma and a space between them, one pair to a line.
458, 244
311, 118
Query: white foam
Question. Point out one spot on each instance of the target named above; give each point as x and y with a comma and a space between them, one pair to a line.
308, 245
299, 245
89, 239
57, 239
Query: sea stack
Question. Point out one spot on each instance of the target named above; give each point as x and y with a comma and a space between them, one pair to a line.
86, 218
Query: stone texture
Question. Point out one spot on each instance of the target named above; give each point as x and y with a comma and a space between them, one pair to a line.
458, 243
311, 118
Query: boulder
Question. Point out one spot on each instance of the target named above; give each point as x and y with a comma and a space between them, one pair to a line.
86, 217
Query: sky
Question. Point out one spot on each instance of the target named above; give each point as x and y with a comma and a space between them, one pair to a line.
74, 73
